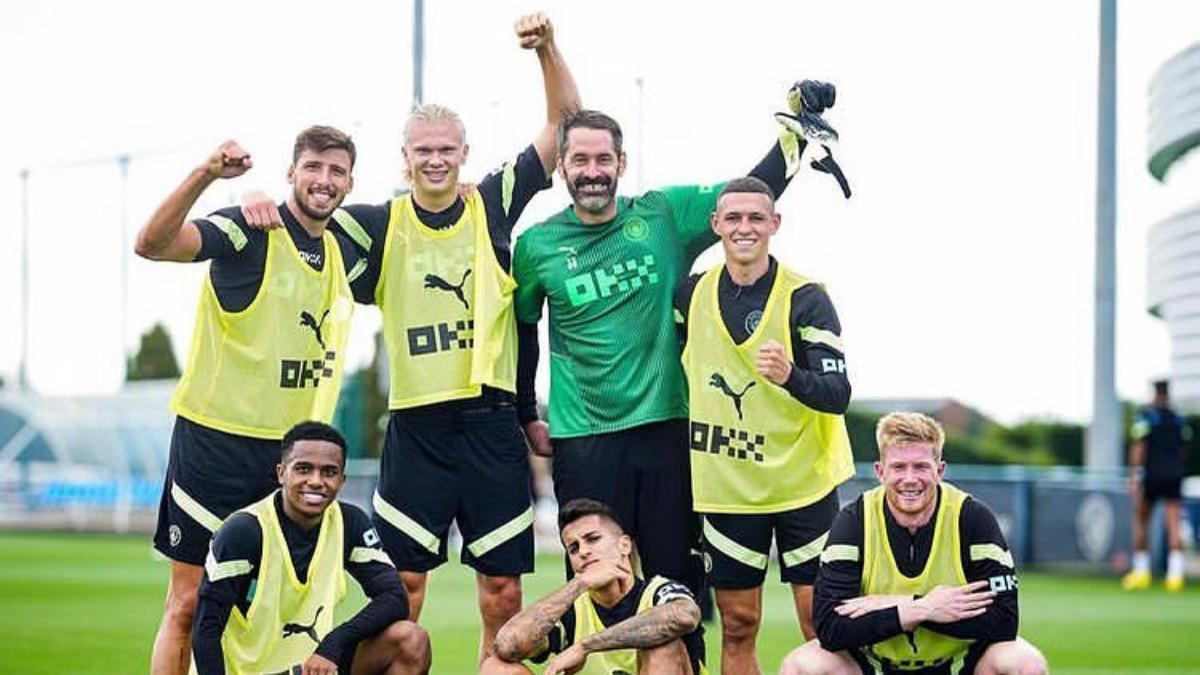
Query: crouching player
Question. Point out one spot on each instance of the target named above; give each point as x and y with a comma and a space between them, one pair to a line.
277, 567
604, 620
916, 577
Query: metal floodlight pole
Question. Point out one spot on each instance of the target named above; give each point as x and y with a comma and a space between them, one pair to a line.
418, 52
23, 366
641, 122
1104, 436
123, 163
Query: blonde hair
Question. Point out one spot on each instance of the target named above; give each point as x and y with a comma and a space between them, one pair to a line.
906, 428
433, 112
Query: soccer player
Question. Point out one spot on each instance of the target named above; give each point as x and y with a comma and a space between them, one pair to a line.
454, 449
277, 568
605, 619
266, 351
767, 388
916, 576
608, 267
1156, 467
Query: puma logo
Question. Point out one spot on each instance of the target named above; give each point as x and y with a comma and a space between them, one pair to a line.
290, 629
436, 282
307, 319
719, 382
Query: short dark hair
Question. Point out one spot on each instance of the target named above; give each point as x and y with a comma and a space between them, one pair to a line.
321, 138
583, 507
311, 431
1162, 387
748, 184
588, 119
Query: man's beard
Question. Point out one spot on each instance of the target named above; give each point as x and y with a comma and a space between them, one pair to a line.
593, 203
310, 212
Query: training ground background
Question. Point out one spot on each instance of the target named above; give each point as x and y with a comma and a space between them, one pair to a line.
81, 603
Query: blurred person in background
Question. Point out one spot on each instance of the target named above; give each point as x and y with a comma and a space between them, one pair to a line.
1156, 467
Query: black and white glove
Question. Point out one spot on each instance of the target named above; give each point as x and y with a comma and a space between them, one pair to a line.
807, 99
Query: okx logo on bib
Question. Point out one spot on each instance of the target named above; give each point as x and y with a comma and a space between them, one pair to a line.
724, 438
301, 373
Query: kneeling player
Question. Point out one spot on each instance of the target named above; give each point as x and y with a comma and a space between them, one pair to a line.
277, 567
916, 576
604, 620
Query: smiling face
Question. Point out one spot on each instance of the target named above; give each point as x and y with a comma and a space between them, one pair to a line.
910, 474
311, 477
745, 222
591, 166
434, 151
320, 181
592, 538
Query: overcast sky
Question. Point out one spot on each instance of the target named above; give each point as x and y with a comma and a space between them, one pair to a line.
962, 266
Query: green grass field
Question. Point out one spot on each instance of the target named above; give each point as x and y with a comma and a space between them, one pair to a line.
90, 604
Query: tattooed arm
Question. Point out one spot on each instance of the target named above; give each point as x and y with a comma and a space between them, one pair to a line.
651, 628
526, 634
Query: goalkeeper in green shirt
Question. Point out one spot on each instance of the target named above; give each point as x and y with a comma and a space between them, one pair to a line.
608, 267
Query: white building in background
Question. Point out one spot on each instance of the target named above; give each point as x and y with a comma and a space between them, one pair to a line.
1173, 269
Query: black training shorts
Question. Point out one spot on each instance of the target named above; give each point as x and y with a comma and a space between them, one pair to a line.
469, 466
210, 474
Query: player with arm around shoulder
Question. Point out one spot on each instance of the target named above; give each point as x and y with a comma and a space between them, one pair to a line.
275, 575
438, 269
606, 619
916, 577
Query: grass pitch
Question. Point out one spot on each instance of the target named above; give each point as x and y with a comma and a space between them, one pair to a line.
91, 603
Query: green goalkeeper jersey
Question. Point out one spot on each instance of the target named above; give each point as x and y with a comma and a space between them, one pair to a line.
614, 353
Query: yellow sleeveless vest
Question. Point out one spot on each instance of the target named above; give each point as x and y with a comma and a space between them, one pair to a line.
447, 309
882, 576
587, 622
259, 371
755, 449
286, 619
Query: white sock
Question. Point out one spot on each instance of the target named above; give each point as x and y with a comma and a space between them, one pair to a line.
1141, 562
1175, 564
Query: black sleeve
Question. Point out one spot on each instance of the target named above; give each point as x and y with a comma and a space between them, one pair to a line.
238, 539
683, 301
527, 362
839, 578
818, 378
986, 557
373, 219
525, 177
370, 567
772, 170
224, 235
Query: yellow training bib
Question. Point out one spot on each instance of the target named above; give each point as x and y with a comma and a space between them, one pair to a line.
881, 576
259, 371
447, 309
286, 619
754, 448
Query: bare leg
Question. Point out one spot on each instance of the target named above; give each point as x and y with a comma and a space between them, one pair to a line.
1171, 512
1014, 657
1141, 516
494, 666
812, 659
414, 586
173, 644
499, 601
741, 612
668, 659
802, 595
401, 649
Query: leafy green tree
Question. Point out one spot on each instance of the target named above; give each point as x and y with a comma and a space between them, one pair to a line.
155, 358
